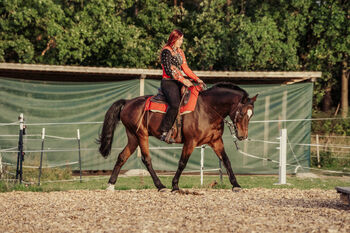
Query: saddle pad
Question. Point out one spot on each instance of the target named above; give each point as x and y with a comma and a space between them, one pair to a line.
162, 107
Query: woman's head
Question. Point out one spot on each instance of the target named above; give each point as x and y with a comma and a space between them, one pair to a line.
173, 37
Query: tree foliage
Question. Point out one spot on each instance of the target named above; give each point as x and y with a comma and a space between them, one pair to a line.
219, 34
329, 43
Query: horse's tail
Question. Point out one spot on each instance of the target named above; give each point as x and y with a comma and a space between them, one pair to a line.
111, 121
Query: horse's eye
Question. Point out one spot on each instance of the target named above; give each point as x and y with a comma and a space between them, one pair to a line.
249, 113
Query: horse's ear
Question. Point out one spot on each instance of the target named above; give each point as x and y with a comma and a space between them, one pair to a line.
254, 98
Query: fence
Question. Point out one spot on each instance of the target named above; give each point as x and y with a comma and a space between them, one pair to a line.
282, 162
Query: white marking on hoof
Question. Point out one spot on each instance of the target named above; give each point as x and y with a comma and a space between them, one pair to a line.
236, 189
110, 187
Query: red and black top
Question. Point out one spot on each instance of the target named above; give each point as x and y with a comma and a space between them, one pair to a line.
173, 61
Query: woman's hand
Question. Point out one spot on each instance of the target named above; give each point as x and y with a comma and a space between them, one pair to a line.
187, 83
201, 83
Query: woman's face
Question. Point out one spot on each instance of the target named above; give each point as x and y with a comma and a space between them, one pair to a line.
178, 43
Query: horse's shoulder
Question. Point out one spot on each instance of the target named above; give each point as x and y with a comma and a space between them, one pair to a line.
201, 102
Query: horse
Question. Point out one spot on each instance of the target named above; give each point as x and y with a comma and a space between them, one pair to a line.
205, 125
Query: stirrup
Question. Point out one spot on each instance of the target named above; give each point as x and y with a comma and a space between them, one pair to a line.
166, 137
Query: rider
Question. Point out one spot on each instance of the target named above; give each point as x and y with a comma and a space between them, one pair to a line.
173, 61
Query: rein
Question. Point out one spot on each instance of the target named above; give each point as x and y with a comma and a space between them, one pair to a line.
233, 130
232, 126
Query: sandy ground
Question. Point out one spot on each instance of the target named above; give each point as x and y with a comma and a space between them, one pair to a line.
250, 210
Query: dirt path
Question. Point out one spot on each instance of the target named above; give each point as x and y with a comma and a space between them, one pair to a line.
251, 210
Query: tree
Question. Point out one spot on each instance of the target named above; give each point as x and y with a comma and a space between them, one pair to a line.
265, 35
98, 35
219, 35
206, 35
29, 29
329, 46
155, 22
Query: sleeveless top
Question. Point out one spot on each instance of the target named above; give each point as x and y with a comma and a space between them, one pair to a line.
173, 62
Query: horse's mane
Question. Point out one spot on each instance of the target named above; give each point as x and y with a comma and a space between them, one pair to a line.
231, 86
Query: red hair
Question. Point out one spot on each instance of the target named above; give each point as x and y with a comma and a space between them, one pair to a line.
173, 37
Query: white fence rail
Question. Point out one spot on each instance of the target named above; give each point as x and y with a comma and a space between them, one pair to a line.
282, 147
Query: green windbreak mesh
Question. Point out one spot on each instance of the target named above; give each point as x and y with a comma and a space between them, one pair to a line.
275, 102
64, 107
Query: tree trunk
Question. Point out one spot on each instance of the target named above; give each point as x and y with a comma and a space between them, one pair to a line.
136, 8
243, 2
327, 100
344, 91
227, 11
175, 15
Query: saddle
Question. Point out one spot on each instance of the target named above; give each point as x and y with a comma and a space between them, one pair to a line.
158, 104
160, 97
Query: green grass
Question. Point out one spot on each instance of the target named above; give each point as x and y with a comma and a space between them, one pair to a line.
127, 183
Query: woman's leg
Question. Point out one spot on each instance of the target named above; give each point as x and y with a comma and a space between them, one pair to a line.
171, 90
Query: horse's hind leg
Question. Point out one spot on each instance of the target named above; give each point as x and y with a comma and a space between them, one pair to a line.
218, 147
123, 157
146, 159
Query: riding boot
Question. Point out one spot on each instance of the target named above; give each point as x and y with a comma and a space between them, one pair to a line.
166, 137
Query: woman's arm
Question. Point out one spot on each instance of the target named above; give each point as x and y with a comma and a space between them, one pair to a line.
165, 60
169, 69
187, 69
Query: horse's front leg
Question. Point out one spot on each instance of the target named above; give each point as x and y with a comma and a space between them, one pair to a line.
218, 147
185, 155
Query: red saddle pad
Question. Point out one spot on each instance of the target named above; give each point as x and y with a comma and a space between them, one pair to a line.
162, 107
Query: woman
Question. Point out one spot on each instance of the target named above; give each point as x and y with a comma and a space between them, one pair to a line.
173, 61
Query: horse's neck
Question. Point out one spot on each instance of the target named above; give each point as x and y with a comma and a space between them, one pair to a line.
216, 105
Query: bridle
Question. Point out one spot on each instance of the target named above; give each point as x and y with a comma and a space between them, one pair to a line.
238, 111
232, 125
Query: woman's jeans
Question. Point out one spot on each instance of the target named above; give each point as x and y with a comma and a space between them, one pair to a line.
172, 91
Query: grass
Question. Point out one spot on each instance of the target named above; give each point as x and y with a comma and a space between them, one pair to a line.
145, 182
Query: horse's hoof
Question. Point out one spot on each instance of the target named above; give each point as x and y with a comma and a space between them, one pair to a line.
236, 189
110, 187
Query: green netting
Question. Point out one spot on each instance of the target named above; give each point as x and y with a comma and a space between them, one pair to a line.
71, 105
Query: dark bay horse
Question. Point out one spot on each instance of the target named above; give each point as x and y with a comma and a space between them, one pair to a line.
205, 125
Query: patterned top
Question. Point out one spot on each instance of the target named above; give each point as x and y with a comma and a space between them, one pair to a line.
173, 61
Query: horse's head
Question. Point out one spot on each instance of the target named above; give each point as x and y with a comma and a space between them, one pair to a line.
230, 99
241, 115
